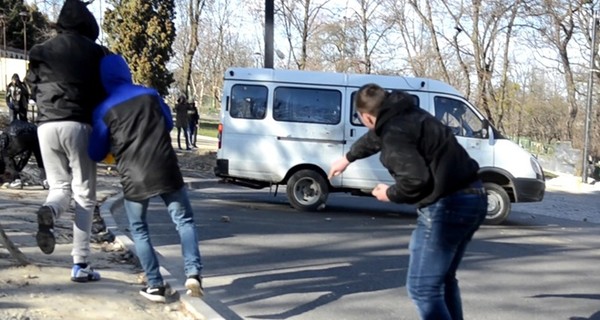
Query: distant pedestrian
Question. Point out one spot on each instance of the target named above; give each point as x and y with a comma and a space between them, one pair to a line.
182, 121
64, 77
133, 124
17, 99
194, 118
433, 171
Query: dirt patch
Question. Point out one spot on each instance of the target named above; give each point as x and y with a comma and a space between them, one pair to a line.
43, 290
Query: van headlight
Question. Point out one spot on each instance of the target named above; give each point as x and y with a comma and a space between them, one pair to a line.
537, 168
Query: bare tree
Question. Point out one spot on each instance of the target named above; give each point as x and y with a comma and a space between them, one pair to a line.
192, 14
300, 19
554, 20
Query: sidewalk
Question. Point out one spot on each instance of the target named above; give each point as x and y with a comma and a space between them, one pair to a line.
43, 290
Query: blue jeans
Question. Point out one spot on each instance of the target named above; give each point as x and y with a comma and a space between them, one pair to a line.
437, 246
180, 209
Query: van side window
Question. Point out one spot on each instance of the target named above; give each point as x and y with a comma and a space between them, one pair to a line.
355, 118
459, 117
248, 101
307, 105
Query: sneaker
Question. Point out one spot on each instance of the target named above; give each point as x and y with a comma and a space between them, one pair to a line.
17, 184
45, 235
155, 294
193, 285
81, 274
45, 185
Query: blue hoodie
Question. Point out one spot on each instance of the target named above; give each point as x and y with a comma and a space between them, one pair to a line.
133, 124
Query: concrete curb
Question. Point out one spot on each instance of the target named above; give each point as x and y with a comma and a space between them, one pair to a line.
195, 307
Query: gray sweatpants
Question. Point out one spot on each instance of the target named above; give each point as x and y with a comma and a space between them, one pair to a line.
70, 173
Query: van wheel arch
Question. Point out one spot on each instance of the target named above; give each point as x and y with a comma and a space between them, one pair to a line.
499, 204
307, 189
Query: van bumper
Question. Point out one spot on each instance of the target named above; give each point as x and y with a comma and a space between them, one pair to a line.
529, 190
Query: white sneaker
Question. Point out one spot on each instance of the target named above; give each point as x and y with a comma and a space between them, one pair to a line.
193, 285
17, 184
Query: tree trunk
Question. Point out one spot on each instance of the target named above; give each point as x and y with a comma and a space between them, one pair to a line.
195, 10
12, 249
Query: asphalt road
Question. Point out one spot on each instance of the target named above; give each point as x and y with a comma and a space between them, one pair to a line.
264, 260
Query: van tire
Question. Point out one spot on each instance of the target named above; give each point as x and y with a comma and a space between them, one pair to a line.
307, 190
498, 207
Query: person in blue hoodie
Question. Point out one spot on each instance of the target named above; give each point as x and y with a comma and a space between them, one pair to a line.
132, 125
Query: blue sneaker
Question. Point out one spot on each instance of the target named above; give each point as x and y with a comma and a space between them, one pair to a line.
80, 274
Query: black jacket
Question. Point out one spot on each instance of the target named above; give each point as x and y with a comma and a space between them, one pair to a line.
182, 118
17, 95
421, 153
133, 124
64, 71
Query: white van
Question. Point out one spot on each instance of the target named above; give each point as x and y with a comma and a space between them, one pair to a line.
284, 127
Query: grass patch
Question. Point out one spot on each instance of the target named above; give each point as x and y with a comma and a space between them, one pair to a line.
549, 175
208, 127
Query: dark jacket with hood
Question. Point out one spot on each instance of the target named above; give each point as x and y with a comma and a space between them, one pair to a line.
421, 153
133, 124
182, 119
64, 71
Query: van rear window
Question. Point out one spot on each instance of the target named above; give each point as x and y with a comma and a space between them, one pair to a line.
307, 105
248, 101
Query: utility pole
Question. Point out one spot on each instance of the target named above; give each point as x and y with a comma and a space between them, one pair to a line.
590, 88
269, 17
4, 55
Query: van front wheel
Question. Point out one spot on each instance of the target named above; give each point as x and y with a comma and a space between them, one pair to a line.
307, 190
498, 207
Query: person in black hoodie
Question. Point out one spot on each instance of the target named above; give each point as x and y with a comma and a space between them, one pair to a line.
182, 121
133, 125
17, 98
434, 172
64, 77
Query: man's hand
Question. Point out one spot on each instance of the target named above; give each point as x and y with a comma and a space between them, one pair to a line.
380, 192
337, 167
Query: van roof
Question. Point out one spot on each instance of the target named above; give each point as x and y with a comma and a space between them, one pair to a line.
338, 79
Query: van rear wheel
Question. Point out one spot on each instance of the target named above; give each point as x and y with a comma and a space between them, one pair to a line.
498, 207
307, 190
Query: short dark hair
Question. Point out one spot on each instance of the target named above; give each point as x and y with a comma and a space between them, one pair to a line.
369, 98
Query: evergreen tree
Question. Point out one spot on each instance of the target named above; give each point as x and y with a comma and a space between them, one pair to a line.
143, 32
36, 23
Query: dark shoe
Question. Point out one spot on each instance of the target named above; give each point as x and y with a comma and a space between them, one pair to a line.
81, 274
193, 284
155, 294
45, 235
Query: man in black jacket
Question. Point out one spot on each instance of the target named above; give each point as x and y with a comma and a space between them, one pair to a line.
64, 76
133, 124
433, 171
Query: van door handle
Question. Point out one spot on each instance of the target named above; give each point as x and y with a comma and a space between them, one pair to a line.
352, 132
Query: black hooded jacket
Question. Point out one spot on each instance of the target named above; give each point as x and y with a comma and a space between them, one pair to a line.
421, 153
64, 71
